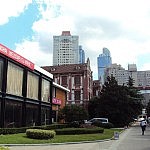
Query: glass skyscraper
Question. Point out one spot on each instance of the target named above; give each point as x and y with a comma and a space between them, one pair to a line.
81, 55
103, 61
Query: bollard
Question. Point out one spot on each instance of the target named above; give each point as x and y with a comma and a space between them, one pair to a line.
116, 135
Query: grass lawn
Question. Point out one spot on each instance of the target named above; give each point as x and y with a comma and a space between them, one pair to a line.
22, 139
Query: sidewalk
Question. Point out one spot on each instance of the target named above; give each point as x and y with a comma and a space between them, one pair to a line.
130, 139
133, 140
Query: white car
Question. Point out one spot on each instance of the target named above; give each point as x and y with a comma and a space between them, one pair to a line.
102, 120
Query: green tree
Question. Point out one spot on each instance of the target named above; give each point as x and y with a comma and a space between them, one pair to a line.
92, 107
115, 103
148, 109
130, 82
135, 98
73, 113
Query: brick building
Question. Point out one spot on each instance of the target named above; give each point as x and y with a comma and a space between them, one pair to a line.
97, 86
75, 77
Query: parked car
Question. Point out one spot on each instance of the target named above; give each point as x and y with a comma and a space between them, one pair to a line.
142, 117
102, 120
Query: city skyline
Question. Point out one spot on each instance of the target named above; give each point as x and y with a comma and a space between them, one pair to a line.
28, 27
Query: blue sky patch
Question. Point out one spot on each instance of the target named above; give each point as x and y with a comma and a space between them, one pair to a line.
19, 28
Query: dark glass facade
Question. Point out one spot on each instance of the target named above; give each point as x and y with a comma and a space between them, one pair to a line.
1, 72
13, 114
21, 95
45, 115
32, 114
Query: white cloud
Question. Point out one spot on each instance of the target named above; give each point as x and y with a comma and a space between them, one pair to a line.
32, 52
121, 26
12, 8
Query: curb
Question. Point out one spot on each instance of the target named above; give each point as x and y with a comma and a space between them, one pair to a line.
47, 144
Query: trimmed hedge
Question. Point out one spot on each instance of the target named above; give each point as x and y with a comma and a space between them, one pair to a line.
40, 134
103, 125
59, 129
12, 130
72, 131
23, 129
55, 126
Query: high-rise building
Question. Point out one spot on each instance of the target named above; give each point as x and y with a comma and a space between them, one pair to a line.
81, 55
121, 75
103, 61
141, 79
133, 73
65, 49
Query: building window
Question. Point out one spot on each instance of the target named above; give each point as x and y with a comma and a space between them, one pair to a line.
45, 115
31, 115
1, 73
54, 92
77, 80
32, 86
89, 82
13, 114
14, 79
77, 95
64, 80
45, 90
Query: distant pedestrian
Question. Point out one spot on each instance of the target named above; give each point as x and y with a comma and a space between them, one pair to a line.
143, 124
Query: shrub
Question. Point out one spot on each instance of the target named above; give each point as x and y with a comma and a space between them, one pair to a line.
87, 126
69, 131
107, 125
97, 123
40, 134
74, 124
103, 125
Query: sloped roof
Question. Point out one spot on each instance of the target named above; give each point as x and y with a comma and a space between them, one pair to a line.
67, 68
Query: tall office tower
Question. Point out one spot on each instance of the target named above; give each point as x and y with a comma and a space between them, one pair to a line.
81, 55
65, 49
103, 61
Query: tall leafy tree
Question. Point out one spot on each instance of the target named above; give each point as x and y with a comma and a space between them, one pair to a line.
135, 98
115, 103
130, 82
92, 107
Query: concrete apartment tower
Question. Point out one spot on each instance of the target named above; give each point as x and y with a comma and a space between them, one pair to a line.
103, 61
65, 49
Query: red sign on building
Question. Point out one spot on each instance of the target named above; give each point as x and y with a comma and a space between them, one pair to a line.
11, 54
56, 101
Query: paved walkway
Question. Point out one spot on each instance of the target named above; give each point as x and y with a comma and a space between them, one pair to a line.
130, 139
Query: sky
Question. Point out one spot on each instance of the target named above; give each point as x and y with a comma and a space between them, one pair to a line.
122, 26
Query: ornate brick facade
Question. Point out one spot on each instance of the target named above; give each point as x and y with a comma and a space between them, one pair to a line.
75, 77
